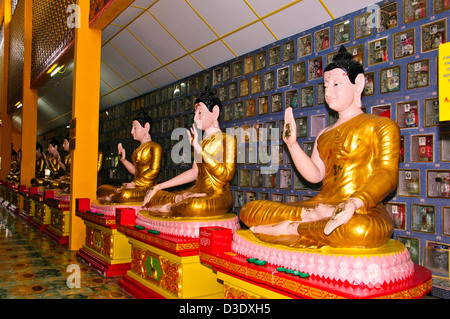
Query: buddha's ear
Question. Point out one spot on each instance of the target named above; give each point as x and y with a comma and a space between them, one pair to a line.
360, 82
147, 127
216, 111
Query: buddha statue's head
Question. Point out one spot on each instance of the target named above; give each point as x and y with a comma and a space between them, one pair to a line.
53, 146
344, 82
207, 110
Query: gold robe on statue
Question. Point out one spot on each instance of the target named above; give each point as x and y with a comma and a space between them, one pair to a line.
39, 172
147, 162
65, 183
216, 169
52, 181
361, 161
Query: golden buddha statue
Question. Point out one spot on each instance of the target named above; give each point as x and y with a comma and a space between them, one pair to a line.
14, 172
64, 181
356, 158
145, 165
39, 168
53, 164
213, 168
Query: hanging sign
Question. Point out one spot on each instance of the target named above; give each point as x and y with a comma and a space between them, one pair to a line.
444, 82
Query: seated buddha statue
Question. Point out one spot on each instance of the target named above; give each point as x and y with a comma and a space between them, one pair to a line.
64, 181
53, 164
14, 172
356, 159
39, 168
213, 167
145, 164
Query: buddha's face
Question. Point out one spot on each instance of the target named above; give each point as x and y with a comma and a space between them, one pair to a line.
137, 131
66, 145
52, 149
203, 118
339, 91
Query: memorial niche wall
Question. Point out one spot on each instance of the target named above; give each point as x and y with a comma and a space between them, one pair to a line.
398, 48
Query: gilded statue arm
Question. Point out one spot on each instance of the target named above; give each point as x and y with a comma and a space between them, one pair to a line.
384, 177
225, 168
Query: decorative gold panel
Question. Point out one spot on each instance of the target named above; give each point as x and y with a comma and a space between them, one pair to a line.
16, 45
51, 35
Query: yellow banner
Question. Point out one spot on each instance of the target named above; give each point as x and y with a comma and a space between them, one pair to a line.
444, 82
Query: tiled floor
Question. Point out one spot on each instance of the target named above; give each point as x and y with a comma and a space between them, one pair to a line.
34, 267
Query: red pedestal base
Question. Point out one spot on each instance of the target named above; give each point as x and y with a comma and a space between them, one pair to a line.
137, 290
61, 240
38, 225
99, 265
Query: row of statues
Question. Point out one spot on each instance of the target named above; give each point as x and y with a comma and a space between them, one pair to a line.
356, 159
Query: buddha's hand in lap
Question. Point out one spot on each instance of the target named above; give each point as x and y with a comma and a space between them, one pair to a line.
129, 185
148, 196
341, 215
186, 195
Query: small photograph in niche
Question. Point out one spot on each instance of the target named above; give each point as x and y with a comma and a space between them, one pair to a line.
390, 79
255, 84
363, 25
291, 99
291, 198
398, 214
432, 112
322, 39
414, 10
263, 196
315, 68
238, 110
369, 86
436, 258
222, 93
404, 44
270, 179
257, 178
243, 88
446, 221
308, 148
320, 93
341, 33
423, 219
288, 51
276, 102
407, 114
304, 46
226, 73
232, 91
307, 96
228, 112
250, 196
217, 76
244, 178
302, 126
274, 56
441, 5
277, 197
283, 77
433, 34
257, 132
250, 108
417, 74
285, 178
191, 87
237, 69
248, 65
378, 51
238, 199
298, 73
206, 81
299, 181
260, 60
198, 83
413, 246
269, 81
388, 17
271, 129
263, 105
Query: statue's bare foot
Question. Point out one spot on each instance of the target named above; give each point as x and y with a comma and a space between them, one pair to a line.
160, 211
284, 228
